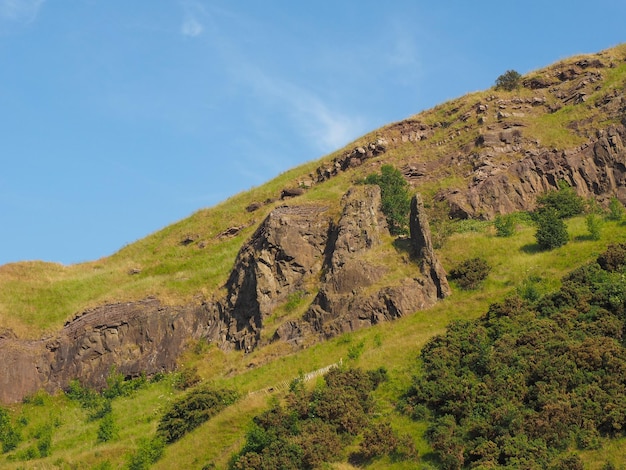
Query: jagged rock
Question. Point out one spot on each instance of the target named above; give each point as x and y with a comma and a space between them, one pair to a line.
356, 157
135, 337
345, 301
288, 245
597, 168
254, 206
189, 239
423, 249
230, 232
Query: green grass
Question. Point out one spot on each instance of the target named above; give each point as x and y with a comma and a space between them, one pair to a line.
394, 345
37, 298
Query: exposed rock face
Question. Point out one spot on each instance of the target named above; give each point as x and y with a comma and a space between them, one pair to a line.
297, 245
347, 300
423, 248
597, 168
136, 338
293, 248
286, 248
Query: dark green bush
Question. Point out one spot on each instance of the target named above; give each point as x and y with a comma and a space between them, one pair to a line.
470, 273
522, 385
315, 426
395, 197
107, 430
614, 258
10, 436
509, 80
551, 230
192, 410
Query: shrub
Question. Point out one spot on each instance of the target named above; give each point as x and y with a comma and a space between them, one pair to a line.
395, 198
509, 80
314, 426
470, 273
594, 226
186, 378
614, 258
192, 410
564, 201
9, 434
551, 230
148, 452
505, 225
107, 430
616, 210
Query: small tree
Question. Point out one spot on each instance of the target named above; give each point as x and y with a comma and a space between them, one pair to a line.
616, 209
594, 226
551, 229
509, 81
505, 225
395, 198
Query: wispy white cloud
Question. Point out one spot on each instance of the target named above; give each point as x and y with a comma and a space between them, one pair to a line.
20, 11
193, 14
324, 126
191, 27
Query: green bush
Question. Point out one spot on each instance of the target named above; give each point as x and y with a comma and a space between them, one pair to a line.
594, 226
505, 225
148, 452
616, 209
187, 378
470, 273
107, 430
564, 201
614, 258
551, 230
395, 197
192, 410
314, 426
10, 437
509, 80
525, 383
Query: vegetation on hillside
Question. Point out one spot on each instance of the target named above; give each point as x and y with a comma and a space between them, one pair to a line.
477, 412
395, 197
530, 381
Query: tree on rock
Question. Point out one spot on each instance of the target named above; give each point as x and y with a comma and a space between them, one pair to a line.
395, 198
509, 81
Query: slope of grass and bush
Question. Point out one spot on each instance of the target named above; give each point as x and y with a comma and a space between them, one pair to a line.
530, 382
171, 421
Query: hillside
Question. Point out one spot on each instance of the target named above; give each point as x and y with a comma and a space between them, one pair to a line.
302, 272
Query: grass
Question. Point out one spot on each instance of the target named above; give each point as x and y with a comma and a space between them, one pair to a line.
37, 298
394, 345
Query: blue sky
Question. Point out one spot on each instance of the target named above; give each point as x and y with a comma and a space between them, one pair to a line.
118, 118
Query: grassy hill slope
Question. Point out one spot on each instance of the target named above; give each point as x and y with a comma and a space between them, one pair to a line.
191, 259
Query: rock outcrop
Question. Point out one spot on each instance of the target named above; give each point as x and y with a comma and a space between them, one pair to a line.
135, 337
292, 249
349, 297
597, 168
286, 249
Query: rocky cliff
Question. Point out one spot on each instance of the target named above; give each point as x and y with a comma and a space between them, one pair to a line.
135, 337
291, 250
